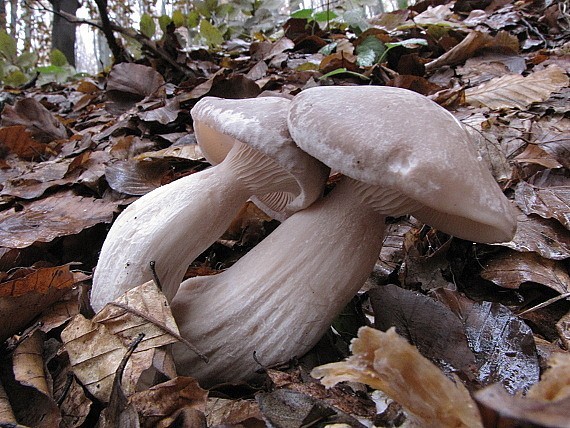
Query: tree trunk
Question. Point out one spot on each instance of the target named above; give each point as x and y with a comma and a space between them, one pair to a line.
63, 31
3, 15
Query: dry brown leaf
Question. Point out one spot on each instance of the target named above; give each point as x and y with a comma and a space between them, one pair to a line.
551, 202
16, 139
533, 154
61, 214
135, 80
39, 121
74, 405
555, 382
221, 411
515, 91
511, 269
546, 237
95, 355
28, 364
6, 412
474, 42
385, 361
563, 329
22, 299
161, 404
143, 309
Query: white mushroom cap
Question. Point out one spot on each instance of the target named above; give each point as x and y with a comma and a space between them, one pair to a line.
398, 139
259, 123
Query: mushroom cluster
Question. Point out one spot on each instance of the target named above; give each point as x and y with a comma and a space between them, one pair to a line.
399, 153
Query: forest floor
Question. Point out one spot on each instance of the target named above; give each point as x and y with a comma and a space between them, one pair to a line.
487, 327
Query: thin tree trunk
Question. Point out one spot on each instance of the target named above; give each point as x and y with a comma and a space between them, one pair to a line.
2, 15
63, 31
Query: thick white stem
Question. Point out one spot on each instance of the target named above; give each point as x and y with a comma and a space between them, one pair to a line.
171, 226
280, 298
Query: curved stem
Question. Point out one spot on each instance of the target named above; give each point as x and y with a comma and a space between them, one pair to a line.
171, 225
280, 298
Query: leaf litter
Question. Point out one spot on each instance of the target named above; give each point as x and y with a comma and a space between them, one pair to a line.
481, 319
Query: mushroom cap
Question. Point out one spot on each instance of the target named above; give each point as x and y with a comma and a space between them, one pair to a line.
398, 139
260, 123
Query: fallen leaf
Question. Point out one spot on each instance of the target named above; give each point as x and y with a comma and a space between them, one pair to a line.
16, 139
160, 404
385, 361
95, 355
515, 91
502, 343
129, 83
38, 121
28, 364
61, 214
137, 177
289, 409
511, 269
499, 408
426, 323
6, 413
73, 403
551, 202
23, 299
546, 237
221, 412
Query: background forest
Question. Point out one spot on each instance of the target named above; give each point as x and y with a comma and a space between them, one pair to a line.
481, 332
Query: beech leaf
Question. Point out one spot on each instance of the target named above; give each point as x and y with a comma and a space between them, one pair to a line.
515, 91
385, 361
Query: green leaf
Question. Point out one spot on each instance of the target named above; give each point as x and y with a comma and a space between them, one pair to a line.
328, 49
193, 19
178, 18
303, 14
325, 16
409, 43
369, 51
8, 48
163, 22
57, 58
15, 78
147, 25
343, 71
211, 34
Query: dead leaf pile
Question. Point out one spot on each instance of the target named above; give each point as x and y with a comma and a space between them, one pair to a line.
468, 326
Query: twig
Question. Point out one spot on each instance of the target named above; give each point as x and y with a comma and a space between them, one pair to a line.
164, 328
545, 304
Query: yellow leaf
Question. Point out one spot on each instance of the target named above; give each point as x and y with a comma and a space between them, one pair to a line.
387, 362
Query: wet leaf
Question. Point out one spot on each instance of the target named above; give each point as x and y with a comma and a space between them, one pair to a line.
426, 323
387, 362
547, 403
136, 177
515, 91
503, 344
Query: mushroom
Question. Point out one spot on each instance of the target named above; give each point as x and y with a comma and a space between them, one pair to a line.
248, 142
399, 153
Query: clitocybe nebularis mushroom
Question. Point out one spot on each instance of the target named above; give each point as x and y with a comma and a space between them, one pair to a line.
401, 153
171, 225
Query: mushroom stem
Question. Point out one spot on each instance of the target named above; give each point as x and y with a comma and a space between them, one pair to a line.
204, 203
279, 299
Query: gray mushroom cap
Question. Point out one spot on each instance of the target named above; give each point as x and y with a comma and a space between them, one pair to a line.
400, 140
260, 123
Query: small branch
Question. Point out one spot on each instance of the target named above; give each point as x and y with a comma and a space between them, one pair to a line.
157, 323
